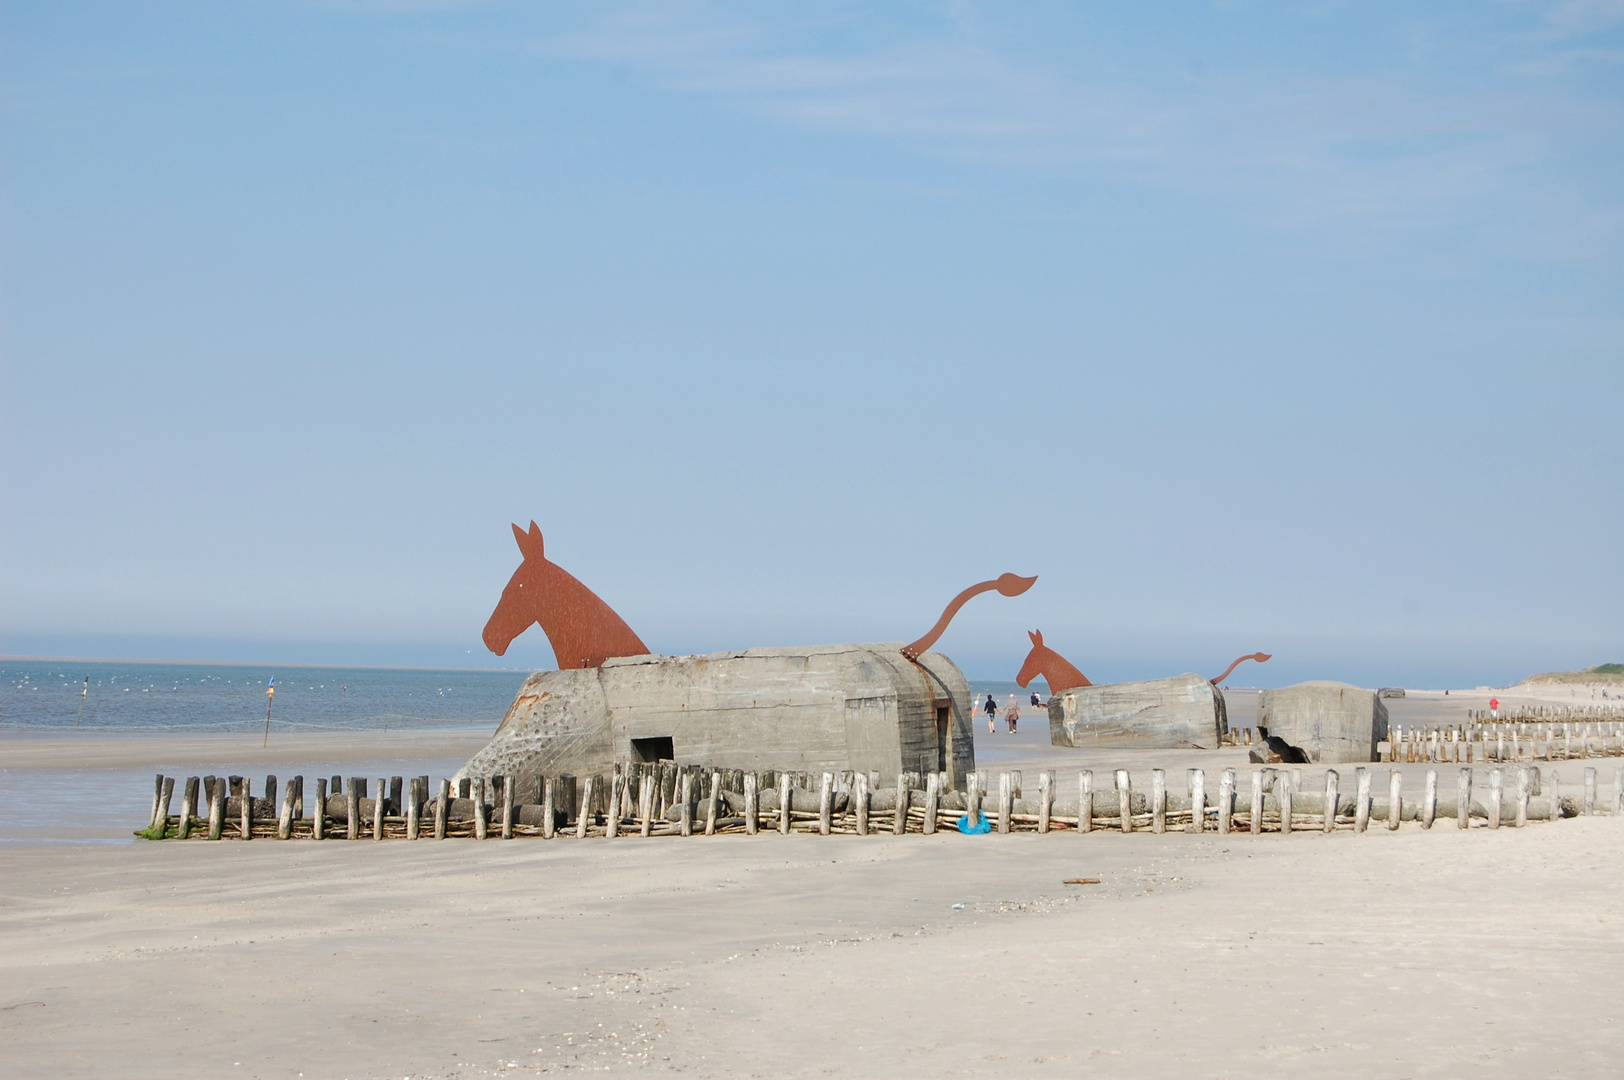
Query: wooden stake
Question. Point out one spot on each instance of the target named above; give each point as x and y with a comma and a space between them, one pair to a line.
352, 809
1045, 799
1006, 798
1158, 801
1085, 801
1328, 815
1282, 791
710, 802
751, 823
860, 795
1226, 800
217, 808
161, 826
1554, 786
1195, 782
1257, 802
1618, 790
442, 809
899, 824
583, 817
617, 782
1590, 791
157, 796
647, 787
245, 825
1124, 786
1361, 810
549, 815
1395, 801
1524, 787
685, 812
188, 807
284, 820
1496, 789
1463, 800
414, 795
378, 805
1429, 800
933, 797
786, 800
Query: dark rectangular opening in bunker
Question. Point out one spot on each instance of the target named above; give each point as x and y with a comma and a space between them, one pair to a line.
941, 738
658, 749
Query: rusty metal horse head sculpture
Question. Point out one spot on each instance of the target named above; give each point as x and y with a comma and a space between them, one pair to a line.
583, 630
1062, 674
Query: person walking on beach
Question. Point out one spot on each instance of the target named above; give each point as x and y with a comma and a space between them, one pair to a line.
991, 708
1012, 713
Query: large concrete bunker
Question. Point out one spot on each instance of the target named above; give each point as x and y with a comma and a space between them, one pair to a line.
1184, 711
864, 708
1322, 722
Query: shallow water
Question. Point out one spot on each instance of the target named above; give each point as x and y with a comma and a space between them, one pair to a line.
53, 694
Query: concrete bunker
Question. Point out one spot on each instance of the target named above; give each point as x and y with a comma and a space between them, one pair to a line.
863, 708
1186, 711
1322, 722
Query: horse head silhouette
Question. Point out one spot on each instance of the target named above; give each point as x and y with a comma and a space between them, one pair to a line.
582, 629
1056, 670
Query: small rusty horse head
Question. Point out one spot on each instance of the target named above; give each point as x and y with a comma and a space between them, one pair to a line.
582, 629
1056, 670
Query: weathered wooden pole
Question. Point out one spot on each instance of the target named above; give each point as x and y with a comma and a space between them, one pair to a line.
1429, 799
1554, 791
1257, 802
188, 807
167, 796
379, 804
1328, 816
1045, 799
1006, 798
352, 808
583, 818
1158, 800
1496, 792
933, 801
786, 798
1395, 801
710, 802
860, 796
647, 789
899, 823
1361, 809
1463, 799
318, 820
1226, 801
1085, 801
1524, 788
1283, 792
549, 820
217, 808
617, 782
1124, 786
751, 824
1589, 808
1195, 783
157, 796
442, 809
413, 808
245, 806
284, 820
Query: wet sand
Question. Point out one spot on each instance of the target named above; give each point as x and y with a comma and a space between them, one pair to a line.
1388, 954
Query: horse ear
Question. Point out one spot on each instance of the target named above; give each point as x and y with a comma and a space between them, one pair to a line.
529, 542
1036, 636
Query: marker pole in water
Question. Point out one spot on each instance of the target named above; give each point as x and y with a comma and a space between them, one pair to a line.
270, 695
82, 695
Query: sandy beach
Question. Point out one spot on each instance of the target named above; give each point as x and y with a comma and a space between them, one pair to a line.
1406, 954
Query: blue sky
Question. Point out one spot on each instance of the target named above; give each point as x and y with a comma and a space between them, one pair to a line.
1294, 327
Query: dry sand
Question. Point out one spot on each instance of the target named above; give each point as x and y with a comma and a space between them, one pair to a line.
1403, 954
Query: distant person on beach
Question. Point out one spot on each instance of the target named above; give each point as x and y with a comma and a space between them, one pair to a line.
991, 708
1012, 713
1035, 702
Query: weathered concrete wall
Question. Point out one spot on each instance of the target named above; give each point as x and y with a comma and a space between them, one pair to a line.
1186, 711
1329, 721
825, 707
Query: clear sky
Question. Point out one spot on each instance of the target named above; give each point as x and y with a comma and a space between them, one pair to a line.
1294, 327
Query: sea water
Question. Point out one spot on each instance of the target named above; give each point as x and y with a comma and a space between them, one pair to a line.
55, 694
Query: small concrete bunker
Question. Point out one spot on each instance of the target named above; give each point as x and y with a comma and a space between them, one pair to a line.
864, 708
1184, 711
1326, 722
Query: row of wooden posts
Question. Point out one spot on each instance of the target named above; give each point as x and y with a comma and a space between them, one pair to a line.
1547, 714
1505, 740
841, 803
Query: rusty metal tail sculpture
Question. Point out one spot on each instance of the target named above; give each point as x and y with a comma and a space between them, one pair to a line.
583, 630
1057, 671
1006, 584
1260, 657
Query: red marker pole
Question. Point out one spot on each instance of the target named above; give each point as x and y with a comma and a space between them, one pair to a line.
270, 695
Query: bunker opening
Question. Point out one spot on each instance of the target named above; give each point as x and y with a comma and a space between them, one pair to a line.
659, 748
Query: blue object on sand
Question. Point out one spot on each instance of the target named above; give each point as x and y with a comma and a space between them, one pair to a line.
980, 827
